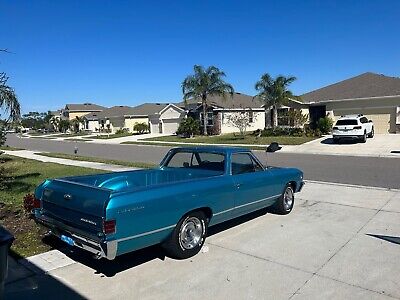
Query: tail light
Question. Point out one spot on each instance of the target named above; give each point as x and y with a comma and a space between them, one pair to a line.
335, 128
36, 203
357, 127
109, 227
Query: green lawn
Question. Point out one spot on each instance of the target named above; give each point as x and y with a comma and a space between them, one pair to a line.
10, 148
101, 160
235, 139
83, 133
111, 136
21, 176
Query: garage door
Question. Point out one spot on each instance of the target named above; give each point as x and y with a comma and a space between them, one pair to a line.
381, 122
381, 119
170, 126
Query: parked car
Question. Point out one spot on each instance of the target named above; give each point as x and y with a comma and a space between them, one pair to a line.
353, 127
173, 204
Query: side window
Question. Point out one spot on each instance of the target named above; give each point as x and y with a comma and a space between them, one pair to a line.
243, 163
364, 120
182, 160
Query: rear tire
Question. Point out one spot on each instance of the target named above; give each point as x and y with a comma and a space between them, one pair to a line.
371, 134
285, 203
188, 237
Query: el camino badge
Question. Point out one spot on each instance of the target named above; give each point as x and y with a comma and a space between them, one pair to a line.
88, 221
67, 197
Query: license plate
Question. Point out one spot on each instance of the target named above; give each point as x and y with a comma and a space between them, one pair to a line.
68, 240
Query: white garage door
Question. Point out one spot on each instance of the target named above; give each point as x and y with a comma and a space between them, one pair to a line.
381, 122
170, 126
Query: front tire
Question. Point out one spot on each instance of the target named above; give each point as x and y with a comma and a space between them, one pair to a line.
285, 203
364, 138
188, 237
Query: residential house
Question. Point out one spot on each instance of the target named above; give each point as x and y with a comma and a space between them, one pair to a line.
161, 118
374, 95
71, 111
220, 112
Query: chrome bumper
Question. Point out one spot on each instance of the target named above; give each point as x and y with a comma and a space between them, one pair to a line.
102, 249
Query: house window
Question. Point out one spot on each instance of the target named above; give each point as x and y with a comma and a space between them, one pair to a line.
210, 119
251, 117
283, 116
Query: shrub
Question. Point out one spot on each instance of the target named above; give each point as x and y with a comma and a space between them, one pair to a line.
325, 125
29, 200
141, 127
121, 131
279, 131
188, 127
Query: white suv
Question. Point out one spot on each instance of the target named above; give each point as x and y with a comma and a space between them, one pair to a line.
353, 126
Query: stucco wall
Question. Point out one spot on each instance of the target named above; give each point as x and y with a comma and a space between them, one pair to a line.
258, 122
130, 122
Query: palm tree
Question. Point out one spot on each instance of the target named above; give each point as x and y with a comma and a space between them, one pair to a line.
77, 123
274, 92
8, 99
204, 83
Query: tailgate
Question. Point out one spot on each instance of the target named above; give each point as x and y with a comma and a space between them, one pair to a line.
77, 205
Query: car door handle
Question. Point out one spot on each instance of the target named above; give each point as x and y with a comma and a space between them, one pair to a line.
238, 185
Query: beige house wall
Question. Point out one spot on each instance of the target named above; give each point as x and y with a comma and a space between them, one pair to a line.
73, 115
227, 127
131, 121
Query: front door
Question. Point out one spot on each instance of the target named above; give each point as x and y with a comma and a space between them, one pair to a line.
253, 189
160, 128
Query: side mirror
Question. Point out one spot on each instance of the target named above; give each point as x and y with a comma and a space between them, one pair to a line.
273, 147
369, 121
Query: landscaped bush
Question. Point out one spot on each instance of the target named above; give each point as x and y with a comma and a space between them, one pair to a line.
29, 203
141, 128
325, 125
121, 131
279, 131
188, 127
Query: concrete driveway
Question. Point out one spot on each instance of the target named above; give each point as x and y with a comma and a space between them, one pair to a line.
339, 242
385, 145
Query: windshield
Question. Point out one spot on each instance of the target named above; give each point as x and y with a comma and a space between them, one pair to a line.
197, 160
347, 122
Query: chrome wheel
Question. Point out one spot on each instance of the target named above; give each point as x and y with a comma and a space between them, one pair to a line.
191, 233
288, 199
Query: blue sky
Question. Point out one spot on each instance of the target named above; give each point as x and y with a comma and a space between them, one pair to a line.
129, 52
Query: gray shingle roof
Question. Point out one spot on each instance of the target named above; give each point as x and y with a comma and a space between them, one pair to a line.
362, 86
149, 108
116, 111
84, 107
237, 101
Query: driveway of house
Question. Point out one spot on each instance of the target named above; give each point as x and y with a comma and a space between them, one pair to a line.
381, 145
339, 242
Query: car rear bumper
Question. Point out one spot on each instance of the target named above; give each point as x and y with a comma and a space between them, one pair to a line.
101, 249
347, 136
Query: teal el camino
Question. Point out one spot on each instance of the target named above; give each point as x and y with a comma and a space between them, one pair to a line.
172, 205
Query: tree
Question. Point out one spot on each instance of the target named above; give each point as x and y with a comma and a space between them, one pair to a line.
188, 127
63, 125
76, 123
241, 120
297, 118
274, 92
141, 127
204, 83
8, 99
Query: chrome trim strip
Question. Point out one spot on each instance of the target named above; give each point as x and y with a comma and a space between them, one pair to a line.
145, 233
243, 205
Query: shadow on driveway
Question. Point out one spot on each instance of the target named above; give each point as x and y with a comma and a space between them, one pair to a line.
344, 141
130, 260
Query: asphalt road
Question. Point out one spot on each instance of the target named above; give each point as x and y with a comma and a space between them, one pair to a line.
367, 171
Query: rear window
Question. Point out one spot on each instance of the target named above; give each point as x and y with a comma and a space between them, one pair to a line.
197, 160
346, 122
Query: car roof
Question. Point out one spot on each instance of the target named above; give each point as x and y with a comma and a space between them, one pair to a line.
217, 149
350, 117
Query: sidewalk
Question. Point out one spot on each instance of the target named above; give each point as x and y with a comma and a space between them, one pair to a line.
69, 162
